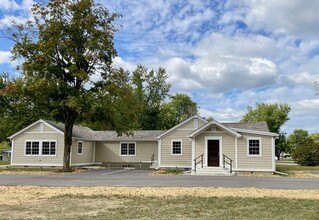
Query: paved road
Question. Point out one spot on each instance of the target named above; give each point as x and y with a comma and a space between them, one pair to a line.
141, 178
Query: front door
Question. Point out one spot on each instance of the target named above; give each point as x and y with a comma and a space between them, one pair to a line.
213, 153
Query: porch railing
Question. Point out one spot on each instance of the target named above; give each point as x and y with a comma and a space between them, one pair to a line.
227, 160
197, 160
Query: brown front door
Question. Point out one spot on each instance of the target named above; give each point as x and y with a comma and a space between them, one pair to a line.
213, 153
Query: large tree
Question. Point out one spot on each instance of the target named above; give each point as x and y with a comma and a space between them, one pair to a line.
67, 43
177, 110
150, 91
275, 115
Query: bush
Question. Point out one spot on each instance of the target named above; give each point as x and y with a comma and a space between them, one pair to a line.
307, 154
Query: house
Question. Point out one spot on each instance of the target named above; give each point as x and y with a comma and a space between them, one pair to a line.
192, 144
6, 155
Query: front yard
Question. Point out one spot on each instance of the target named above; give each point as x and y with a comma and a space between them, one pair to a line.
23, 202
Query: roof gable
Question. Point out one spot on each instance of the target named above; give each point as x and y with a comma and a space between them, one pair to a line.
206, 126
180, 125
32, 125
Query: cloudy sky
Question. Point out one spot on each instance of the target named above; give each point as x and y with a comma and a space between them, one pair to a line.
225, 54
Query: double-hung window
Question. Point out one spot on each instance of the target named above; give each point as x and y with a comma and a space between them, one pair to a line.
48, 148
254, 146
176, 148
38, 148
128, 149
80, 147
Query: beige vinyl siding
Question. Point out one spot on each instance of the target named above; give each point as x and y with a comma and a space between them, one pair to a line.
35, 134
167, 159
263, 162
87, 153
110, 151
188, 126
227, 142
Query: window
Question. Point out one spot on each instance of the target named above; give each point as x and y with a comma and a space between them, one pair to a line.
128, 149
40, 148
176, 147
80, 147
48, 148
254, 146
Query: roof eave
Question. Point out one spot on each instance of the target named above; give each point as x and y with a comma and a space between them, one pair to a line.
256, 132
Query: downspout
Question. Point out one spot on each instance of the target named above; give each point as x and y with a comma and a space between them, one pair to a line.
159, 148
93, 160
273, 154
236, 152
193, 153
12, 144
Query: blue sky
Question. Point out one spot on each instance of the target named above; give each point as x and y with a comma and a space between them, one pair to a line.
226, 55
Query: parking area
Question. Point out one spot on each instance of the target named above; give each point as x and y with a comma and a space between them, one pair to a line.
141, 178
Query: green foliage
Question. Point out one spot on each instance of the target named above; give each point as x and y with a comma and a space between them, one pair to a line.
16, 110
307, 154
177, 110
281, 145
304, 147
275, 115
297, 138
4, 146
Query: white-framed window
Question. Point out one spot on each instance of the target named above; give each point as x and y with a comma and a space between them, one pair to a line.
254, 146
176, 147
40, 148
48, 147
128, 149
80, 147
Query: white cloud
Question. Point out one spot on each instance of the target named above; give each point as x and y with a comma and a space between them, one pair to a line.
297, 17
5, 57
8, 5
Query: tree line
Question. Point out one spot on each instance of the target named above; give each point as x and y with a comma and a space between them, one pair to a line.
63, 49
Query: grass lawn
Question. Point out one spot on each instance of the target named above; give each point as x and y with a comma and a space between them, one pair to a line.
180, 207
293, 169
3, 162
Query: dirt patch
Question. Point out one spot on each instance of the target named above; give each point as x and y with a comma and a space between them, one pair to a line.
15, 195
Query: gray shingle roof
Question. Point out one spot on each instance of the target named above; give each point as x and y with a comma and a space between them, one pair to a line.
254, 126
88, 134
141, 135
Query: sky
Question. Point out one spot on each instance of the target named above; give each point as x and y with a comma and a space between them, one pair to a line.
225, 54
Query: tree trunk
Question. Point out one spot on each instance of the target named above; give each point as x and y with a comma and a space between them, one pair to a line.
68, 133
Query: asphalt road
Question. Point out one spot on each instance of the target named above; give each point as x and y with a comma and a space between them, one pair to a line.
141, 178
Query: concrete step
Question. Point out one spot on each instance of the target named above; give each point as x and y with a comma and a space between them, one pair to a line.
212, 171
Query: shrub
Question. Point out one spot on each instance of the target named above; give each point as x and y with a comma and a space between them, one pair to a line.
307, 154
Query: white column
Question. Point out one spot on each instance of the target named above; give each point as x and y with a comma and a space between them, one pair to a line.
236, 152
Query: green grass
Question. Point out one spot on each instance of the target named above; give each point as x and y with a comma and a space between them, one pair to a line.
3, 162
182, 207
173, 171
296, 170
290, 168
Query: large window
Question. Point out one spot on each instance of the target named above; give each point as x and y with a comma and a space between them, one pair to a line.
254, 146
40, 148
128, 149
48, 148
80, 147
176, 147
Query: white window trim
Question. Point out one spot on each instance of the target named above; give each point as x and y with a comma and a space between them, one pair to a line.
77, 150
40, 148
260, 147
127, 155
177, 140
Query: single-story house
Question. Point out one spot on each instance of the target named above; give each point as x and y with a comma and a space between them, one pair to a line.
6, 155
192, 144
